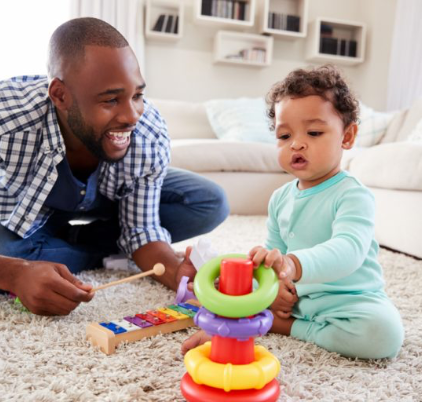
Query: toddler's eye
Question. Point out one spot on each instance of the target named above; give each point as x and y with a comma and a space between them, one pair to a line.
314, 133
283, 137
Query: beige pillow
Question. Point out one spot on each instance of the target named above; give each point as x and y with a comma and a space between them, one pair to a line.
395, 165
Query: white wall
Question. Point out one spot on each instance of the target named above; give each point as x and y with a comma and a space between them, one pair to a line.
25, 30
185, 70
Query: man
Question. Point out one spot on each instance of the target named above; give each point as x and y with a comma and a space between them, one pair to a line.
84, 143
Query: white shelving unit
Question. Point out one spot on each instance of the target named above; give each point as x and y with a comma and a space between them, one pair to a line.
160, 19
243, 49
287, 18
340, 38
223, 12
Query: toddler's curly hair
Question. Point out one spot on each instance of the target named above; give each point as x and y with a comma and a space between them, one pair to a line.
325, 81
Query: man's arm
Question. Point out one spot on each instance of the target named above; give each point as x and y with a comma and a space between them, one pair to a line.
176, 267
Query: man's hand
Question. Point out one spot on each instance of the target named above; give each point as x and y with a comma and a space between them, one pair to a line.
186, 268
48, 288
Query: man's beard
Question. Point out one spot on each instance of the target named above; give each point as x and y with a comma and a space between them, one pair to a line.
86, 134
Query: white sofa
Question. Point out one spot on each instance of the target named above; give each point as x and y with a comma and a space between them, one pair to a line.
249, 172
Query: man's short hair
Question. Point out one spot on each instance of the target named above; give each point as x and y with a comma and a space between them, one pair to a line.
69, 40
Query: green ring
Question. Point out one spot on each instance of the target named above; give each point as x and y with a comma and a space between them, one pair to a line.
234, 306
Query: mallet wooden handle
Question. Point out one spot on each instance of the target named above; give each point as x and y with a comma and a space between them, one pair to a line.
158, 270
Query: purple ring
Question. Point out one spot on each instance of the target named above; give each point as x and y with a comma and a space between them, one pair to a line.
242, 328
183, 294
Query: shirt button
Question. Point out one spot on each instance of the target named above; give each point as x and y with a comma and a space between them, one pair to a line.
81, 208
27, 218
83, 192
60, 150
291, 235
50, 179
46, 150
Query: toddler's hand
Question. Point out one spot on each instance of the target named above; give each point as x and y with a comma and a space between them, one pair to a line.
286, 299
288, 270
284, 265
270, 258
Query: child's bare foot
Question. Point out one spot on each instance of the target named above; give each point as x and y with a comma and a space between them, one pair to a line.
195, 340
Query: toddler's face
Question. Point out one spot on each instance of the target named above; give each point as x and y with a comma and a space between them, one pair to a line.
311, 138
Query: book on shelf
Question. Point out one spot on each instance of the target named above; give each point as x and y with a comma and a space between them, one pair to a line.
169, 25
231, 9
293, 23
283, 22
353, 47
176, 25
159, 23
326, 29
338, 47
206, 8
255, 54
328, 45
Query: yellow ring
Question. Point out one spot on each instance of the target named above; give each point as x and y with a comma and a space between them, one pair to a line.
231, 376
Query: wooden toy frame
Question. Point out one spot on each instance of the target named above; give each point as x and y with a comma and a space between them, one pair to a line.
107, 340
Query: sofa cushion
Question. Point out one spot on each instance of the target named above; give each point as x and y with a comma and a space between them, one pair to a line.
184, 119
416, 134
394, 127
372, 126
241, 119
221, 156
412, 117
396, 165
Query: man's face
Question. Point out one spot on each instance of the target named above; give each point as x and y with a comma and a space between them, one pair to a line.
107, 95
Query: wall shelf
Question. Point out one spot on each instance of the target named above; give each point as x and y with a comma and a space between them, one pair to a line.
243, 49
336, 41
287, 18
236, 13
164, 19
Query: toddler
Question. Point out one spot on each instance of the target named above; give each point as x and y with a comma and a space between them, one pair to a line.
321, 226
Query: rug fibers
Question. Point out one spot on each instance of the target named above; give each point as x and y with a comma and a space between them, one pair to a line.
48, 359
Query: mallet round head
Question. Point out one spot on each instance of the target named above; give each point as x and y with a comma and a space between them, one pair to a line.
159, 269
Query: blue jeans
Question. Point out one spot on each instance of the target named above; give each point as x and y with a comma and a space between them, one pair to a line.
190, 205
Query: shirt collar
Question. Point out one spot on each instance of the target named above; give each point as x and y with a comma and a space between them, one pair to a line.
319, 187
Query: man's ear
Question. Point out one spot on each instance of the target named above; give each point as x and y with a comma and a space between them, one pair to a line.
349, 136
59, 94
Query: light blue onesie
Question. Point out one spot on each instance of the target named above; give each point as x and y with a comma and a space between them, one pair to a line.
342, 305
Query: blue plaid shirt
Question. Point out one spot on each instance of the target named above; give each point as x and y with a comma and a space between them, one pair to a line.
31, 146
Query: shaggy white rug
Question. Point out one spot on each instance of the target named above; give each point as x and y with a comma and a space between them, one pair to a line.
48, 359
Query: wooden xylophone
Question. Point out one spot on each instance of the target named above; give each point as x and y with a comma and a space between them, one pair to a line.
107, 335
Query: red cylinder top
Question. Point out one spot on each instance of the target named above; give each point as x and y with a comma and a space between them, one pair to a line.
236, 276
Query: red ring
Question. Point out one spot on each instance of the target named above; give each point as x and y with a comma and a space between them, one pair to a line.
199, 393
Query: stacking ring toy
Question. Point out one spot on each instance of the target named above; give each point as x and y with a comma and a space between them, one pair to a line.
242, 329
200, 393
234, 306
231, 376
183, 294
